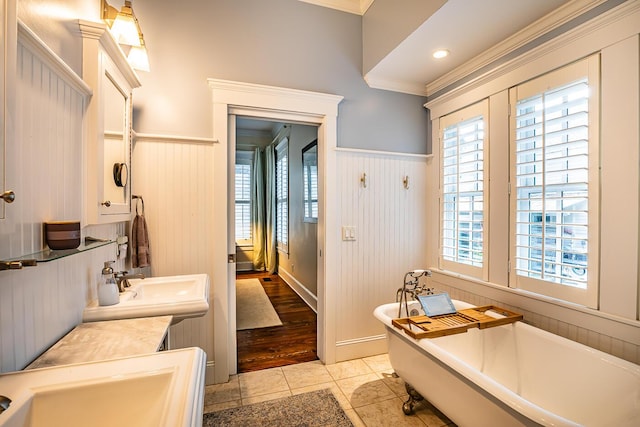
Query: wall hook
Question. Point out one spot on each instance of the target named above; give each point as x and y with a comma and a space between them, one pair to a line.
405, 182
363, 180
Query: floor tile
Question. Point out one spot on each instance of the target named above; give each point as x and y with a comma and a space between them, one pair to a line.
264, 397
306, 374
348, 369
222, 405
395, 383
430, 415
364, 390
219, 393
355, 419
337, 392
387, 413
378, 363
262, 382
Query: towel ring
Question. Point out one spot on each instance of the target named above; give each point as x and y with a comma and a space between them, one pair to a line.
138, 204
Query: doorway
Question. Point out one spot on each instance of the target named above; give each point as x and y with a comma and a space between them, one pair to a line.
287, 105
292, 342
275, 229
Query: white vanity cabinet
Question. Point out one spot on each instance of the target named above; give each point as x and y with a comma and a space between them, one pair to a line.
107, 147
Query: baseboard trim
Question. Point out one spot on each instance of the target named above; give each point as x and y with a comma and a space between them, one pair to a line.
361, 347
304, 293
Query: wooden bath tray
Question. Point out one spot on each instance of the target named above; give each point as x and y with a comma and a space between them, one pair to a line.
448, 324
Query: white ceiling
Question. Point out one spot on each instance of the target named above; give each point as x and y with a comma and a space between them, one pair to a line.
467, 28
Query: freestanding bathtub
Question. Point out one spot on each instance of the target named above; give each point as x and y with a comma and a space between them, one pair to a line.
515, 375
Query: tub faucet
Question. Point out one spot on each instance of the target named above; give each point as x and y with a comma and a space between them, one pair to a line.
122, 279
413, 288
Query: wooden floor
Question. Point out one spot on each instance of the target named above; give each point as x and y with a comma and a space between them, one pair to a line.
293, 342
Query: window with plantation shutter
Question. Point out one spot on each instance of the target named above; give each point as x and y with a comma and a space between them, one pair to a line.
463, 191
554, 184
310, 182
243, 198
282, 195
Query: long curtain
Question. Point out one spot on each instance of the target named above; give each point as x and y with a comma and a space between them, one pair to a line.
257, 211
270, 209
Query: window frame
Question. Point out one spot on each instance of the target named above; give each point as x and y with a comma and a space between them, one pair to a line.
480, 108
282, 195
244, 158
310, 182
587, 68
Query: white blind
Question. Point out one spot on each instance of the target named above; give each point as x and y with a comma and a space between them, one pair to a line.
552, 185
282, 195
310, 178
462, 228
243, 202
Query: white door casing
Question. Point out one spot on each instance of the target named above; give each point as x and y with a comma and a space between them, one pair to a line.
280, 104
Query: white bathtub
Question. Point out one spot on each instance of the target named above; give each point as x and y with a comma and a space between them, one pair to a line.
515, 375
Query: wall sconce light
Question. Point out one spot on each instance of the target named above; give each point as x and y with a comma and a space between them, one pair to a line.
138, 57
126, 30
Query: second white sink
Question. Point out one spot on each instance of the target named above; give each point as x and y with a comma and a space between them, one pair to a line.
158, 389
179, 296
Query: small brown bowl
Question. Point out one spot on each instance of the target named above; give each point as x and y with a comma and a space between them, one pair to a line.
62, 234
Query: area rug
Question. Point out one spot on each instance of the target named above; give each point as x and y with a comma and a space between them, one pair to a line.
253, 308
316, 408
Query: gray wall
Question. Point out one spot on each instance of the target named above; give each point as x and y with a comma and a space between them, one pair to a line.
385, 26
301, 262
284, 43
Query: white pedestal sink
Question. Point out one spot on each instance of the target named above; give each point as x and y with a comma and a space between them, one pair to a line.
158, 389
179, 296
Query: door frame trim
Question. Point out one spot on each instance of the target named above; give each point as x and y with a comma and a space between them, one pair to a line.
282, 104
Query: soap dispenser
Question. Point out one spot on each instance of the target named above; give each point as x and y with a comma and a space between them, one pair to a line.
108, 289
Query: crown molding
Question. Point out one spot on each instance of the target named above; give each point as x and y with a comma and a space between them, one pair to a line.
410, 88
358, 7
544, 25
611, 17
98, 31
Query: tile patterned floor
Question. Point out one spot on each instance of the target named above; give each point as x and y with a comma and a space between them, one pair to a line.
366, 388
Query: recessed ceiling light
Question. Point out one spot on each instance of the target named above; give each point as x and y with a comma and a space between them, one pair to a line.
440, 53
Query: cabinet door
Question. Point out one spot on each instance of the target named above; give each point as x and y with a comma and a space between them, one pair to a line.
116, 150
107, 144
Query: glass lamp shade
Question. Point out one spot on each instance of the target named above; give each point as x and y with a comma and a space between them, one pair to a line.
125, 30
138, 58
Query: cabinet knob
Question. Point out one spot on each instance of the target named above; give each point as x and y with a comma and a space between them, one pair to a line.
106, 203
8, 196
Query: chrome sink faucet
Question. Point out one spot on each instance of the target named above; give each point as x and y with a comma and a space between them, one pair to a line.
4, 403
122, 279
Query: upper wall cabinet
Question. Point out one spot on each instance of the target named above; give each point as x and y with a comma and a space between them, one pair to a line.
108, 126
7, 89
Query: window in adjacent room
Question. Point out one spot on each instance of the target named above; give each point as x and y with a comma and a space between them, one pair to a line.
282, 195
463, 191
554, 152
310, 181
243, 197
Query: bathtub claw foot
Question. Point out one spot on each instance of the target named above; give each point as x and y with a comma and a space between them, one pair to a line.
414, 397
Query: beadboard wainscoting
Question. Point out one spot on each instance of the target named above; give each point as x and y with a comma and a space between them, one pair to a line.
175, 177
40, 304
389, 239
44, 163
